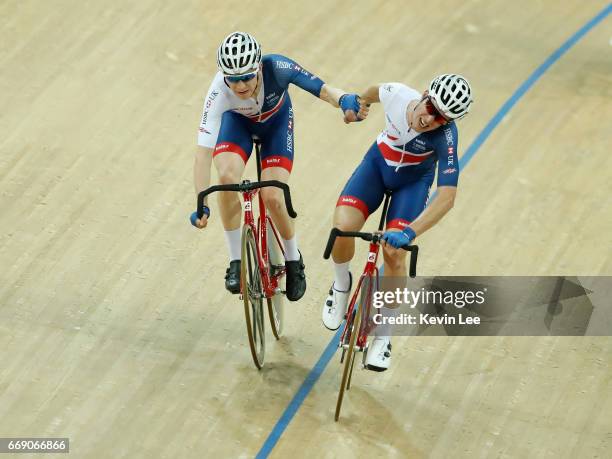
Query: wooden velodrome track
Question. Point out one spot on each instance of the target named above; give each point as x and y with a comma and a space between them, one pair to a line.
115, 329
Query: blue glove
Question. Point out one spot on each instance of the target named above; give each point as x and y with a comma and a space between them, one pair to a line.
349, 102
399, 239
194, 215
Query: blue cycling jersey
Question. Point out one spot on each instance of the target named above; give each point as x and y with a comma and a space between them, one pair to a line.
277, 72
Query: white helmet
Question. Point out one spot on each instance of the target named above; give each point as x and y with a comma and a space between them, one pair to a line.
452, 95
238, 53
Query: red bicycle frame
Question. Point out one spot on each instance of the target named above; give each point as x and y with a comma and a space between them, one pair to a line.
269, 281
370, 271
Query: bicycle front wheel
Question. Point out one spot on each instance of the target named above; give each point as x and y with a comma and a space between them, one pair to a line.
252, 294
277, 265
353, 329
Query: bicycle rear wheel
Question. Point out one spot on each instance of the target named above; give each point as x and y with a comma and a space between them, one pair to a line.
252, 294
277, 264
350, 357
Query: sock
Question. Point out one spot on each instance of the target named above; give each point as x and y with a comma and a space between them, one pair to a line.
385, 330
232, 238
291, 249
342, 280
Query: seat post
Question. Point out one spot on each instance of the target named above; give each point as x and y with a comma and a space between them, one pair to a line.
258, 157
381, 225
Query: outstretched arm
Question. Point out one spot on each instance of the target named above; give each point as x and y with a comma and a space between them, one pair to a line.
201, 176
438, 208
370, 95
332, 96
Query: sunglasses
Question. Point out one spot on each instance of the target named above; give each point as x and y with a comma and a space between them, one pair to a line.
433, 111
238, 78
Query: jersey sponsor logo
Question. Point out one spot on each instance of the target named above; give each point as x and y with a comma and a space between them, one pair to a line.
204, 131
450, 170
262, 117
348, 200
451, 158
388, 87
247, 205
272, 98
204, 117
448, 133
372, 256
211, 98
222, 146
283, 65
301, 70
418, 145
289, 126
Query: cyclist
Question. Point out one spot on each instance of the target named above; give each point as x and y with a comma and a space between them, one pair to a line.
248, 98
419, 132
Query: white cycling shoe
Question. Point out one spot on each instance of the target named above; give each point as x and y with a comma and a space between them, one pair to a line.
335, 305
379, 354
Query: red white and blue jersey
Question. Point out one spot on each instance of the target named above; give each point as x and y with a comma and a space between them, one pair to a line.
403, 147
278, 72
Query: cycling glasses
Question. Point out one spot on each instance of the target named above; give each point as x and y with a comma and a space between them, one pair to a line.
433, 111
238, 78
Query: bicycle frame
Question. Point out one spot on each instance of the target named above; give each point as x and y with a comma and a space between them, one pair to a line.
270, 281
370, 271
248, 190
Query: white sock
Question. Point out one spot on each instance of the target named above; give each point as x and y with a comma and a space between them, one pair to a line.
385, 330
291, 249
342, 280
232, 238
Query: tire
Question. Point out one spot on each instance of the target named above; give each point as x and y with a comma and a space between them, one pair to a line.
276, 303
252, 294
349, 358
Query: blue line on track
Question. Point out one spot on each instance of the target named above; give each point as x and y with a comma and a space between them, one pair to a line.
330, 350
299, 397
528, 83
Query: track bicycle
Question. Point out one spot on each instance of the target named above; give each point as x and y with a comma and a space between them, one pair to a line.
358, 324
262, 259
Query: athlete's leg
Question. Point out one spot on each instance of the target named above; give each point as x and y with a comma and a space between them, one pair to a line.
234, 145
407, 203
230, 167
276, 164
346, 219
232, 151
275, 201
362, 195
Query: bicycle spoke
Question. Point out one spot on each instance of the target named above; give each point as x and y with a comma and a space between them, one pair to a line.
252, 297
